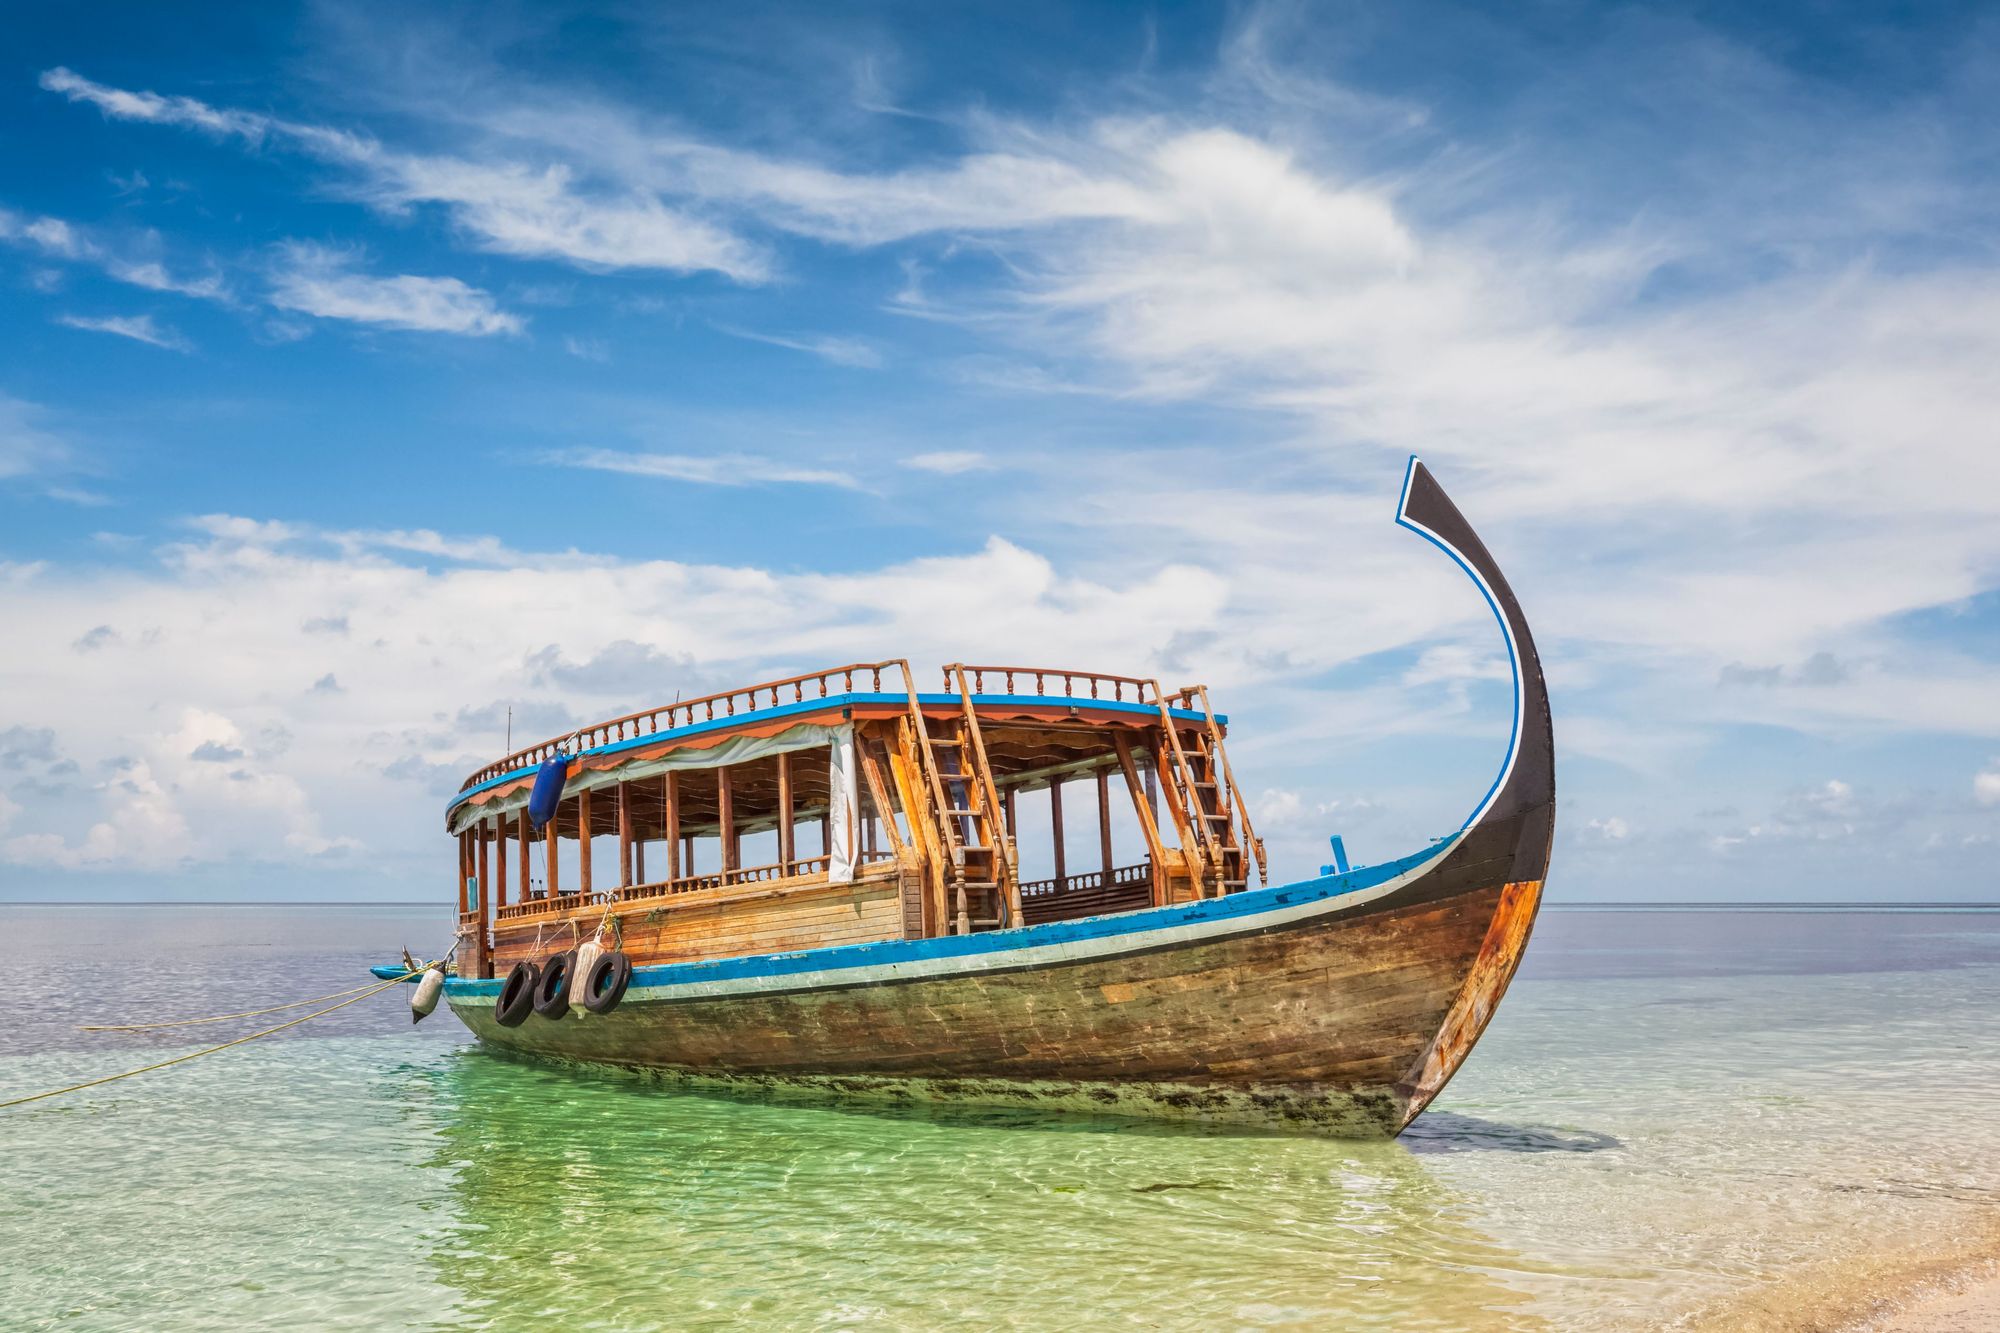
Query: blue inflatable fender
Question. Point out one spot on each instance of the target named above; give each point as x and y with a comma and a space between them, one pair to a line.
549, 779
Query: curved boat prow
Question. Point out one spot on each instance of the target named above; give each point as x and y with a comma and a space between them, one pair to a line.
1505, 842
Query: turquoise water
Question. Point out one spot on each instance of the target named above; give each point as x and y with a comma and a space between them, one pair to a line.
1675, 1113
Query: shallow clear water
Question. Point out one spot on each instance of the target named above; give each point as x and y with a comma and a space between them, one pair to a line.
1672, 1112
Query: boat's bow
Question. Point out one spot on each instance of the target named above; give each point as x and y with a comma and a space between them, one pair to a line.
1502, 852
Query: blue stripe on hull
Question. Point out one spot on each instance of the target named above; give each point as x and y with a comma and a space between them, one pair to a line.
1240, 907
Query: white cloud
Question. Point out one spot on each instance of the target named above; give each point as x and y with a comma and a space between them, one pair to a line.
139, 328
949, 462
1986, 786
853, 352
320, 282
208, 764
507, 207
123, 258
27, 447
705, 469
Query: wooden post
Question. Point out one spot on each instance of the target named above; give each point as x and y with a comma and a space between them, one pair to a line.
625, 879
524, 830
583, 840
1007, 804
482, 961
1104, 819
1056, 822
725, 819
786, 849
500, 861
878, 788
1148, 826
551, 841
464, 871
670, 827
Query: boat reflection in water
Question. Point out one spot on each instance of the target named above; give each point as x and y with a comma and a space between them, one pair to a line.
580, 1201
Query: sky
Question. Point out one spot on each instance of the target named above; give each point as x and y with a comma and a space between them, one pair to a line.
367, 373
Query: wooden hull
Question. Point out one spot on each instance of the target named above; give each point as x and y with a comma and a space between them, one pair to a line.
1341, 1004
1347, 1021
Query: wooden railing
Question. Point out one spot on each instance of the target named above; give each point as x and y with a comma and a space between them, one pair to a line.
1074, 684
804, 867
730, 703
1121, 877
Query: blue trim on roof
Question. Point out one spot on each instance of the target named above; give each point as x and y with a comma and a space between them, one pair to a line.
1248, 903
845, 700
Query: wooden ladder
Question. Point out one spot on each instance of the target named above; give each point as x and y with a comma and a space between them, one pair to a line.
982, 891
1215, 860
1210, 757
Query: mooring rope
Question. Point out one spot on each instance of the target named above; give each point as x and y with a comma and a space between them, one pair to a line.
366, 991
223, 1018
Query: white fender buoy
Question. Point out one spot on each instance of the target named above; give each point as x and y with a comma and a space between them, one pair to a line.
424, 997
579, 986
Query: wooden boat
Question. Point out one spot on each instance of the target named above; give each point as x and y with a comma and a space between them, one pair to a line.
889, 947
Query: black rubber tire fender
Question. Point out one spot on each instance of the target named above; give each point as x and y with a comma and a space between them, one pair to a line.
605, 986
552, 991
517, 995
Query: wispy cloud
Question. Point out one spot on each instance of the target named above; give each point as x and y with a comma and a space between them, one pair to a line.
504, 206
317, 281
139, 328
27, 446
122, 258
704, 469
949, 462
840, 351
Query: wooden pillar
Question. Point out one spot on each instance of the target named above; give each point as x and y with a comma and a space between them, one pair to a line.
670, 825
787, 853
1007, 806
725, 818
482, 944
500, 861
524, 831
551, 840
1149, 827
826, 834
625, 835
1104, 819
583, 839
1056, 823
687, 857
464, 870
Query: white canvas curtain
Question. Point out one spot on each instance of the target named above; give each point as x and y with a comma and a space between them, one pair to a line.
843, 814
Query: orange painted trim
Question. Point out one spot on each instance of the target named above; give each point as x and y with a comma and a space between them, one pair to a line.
1473, 1008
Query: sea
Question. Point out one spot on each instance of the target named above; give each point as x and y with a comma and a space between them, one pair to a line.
1742, 1118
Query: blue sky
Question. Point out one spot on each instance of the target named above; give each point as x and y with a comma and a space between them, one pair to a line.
365, 375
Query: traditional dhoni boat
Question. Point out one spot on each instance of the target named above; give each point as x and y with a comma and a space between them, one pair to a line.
889, 947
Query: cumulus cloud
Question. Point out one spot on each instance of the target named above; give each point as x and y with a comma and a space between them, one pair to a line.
431, 678
1986, 786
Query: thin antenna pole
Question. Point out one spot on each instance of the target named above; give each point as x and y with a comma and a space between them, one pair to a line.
510, 728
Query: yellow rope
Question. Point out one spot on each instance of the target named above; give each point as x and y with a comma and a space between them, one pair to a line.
182, 1059
223, 1018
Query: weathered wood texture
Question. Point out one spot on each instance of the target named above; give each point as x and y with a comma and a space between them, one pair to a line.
775, 916
1338, 1016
